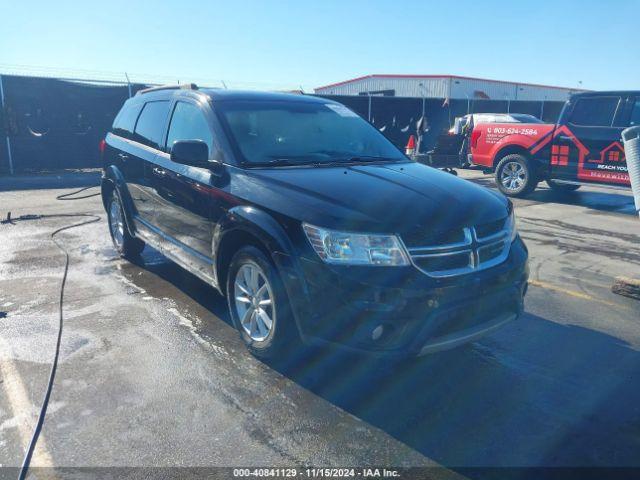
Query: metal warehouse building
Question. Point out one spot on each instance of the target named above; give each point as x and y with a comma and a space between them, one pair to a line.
445, 86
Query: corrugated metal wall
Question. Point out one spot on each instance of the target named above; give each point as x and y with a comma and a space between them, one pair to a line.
56, 124
406, 87
447, 87
396, 117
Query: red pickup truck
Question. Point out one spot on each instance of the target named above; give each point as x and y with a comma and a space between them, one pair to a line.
584, 147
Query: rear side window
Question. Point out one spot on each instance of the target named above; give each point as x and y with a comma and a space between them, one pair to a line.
635, 114
150, 126
126, 120
594, 112
188, 123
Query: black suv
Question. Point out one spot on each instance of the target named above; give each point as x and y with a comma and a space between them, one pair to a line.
314, 226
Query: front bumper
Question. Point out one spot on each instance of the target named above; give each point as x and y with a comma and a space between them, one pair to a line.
400, 311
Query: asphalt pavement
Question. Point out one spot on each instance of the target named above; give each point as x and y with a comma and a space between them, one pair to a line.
153, 374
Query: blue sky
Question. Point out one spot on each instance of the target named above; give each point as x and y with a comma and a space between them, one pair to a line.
290, 43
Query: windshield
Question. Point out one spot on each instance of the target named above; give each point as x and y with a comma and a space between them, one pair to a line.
525, 118
504, 118
295, 133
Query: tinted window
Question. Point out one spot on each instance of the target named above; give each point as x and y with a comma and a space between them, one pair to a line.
594, 112
302, 132
525, 118
150, 126
188, 123
126, 120
635, 114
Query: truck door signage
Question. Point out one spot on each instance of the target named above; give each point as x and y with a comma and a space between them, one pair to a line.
495, 134
609, 165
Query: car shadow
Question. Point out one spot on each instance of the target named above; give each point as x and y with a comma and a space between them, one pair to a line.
536, 393
597, 201
192, 287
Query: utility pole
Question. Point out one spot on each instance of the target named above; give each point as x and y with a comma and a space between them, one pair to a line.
2, 105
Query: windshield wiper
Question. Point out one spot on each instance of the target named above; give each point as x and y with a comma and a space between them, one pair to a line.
372, 158
337, 157
276, 162
294, 161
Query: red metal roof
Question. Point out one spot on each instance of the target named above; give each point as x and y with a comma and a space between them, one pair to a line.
395, 75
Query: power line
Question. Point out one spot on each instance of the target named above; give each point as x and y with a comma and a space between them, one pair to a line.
101, 76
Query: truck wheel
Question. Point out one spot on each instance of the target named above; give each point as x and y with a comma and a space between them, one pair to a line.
126, 245
259, 305
562, 187
515, 176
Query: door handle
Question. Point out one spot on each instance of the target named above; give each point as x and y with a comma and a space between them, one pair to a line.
160, 172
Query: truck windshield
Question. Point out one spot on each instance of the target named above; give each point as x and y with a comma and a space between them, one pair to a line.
525, 118
298, 133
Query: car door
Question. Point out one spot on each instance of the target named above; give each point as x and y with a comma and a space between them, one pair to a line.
142, 150
122, 152
587, 147
184, 193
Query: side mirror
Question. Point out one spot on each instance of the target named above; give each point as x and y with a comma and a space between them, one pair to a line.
194, 153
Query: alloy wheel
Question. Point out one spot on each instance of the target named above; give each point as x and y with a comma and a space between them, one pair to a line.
116, 222
513, 176
254, 301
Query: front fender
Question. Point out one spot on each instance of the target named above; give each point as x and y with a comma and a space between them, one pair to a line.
511, 142
258, 223
263, 226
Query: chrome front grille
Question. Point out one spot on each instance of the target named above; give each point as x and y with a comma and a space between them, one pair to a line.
476, 248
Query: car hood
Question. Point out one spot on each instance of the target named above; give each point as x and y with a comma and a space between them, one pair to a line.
385, 198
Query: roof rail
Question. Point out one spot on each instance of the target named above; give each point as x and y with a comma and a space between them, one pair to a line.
183, 86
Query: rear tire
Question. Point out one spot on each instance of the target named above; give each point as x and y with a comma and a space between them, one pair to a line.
516, 176
125, 244
259, 305
562, 187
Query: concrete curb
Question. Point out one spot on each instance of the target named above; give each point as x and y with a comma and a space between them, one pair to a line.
49, 181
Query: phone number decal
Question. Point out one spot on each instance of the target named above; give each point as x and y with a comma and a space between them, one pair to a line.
512, 131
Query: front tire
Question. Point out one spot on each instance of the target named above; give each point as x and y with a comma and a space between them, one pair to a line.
515, 176
259, 305
562, 187
125, 244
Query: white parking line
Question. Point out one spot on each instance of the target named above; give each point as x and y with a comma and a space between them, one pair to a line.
24, 413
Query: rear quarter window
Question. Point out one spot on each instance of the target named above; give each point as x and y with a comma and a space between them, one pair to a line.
595, 111
151, 122
125, 121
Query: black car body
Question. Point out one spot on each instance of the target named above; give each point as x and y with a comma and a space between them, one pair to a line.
445, 262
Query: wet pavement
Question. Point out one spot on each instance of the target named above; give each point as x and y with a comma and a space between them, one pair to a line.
152, 373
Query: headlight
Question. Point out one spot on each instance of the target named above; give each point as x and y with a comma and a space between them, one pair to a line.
355, 248
511, 225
